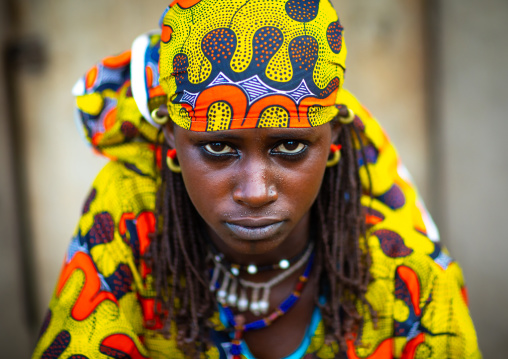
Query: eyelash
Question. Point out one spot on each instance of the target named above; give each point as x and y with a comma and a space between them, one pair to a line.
215, 154
298, 144
234, 152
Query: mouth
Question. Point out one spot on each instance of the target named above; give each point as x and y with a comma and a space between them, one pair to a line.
254, 229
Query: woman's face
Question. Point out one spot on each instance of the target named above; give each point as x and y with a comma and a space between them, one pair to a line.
254, 187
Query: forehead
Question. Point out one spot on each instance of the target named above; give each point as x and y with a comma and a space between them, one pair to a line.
309, 133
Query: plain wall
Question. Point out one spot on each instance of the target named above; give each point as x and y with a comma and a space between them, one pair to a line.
14, 333
474, 177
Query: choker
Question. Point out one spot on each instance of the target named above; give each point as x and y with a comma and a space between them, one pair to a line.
227, 293
238, 322
235, 269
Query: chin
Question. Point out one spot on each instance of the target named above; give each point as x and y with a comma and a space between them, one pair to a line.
256, 247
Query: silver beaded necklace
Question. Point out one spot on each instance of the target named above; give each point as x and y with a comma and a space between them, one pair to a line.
227, 293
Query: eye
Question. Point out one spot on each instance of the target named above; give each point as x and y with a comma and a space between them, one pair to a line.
290, 147
218, 148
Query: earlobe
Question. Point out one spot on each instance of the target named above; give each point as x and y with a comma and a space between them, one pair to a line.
336, 127
167, 126
169, 133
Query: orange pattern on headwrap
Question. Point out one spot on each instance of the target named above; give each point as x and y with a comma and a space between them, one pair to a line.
228, 64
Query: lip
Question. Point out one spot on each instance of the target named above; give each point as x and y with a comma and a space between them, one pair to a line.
254, 229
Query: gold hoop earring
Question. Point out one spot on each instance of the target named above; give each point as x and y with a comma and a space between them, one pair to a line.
170, 161
349, 118
335, 150
158, 119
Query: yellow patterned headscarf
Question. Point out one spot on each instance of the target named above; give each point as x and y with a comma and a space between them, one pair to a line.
228, 64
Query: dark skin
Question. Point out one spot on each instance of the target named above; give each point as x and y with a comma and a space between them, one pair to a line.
254, 189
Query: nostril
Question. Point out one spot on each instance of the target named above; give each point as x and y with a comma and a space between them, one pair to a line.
255, 194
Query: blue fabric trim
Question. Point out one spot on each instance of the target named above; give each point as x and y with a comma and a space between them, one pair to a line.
302, 348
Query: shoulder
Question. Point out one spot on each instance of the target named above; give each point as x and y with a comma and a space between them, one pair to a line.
118, 214
103, 271
418, 292
400, 250
120, 187
405, 262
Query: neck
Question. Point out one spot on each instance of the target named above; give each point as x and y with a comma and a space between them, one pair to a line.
295, 243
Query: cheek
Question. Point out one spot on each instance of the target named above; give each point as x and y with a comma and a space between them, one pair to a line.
304, 184
206, 188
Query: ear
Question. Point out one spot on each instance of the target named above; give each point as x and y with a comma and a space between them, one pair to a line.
169, 133
168, 128
336, 127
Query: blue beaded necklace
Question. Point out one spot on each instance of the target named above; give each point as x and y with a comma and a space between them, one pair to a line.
283, 308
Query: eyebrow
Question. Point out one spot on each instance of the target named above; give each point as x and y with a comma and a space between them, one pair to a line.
221, 135
292, 133
284, 133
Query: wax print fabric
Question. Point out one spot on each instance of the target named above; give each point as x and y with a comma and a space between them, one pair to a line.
102, 306
243, 64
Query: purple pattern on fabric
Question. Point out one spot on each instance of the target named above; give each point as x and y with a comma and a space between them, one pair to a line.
89, 201
129, 130
219, 45
392, 244
113, 353
372, 212
402, 293
120, 281
134, 168
266, 42
371, 155
302, 10
58, 346
393, 198
359, 124
180, 65
103, 229
334, 36
133, 240
332, 86
303, 51
110, 78
45, 323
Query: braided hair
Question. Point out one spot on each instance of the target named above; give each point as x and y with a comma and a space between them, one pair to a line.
177, 254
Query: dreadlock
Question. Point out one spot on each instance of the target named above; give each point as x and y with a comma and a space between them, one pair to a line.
344, 259
178, 253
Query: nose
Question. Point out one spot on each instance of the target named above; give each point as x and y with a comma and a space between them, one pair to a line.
255, 187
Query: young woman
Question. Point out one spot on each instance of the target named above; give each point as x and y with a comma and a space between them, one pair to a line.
252, 207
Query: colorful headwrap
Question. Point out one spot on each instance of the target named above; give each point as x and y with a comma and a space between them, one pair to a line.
228, 64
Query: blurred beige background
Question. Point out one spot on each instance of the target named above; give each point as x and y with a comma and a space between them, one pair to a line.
432, 71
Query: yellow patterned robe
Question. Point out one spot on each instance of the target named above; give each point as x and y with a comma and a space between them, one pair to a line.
102, 306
